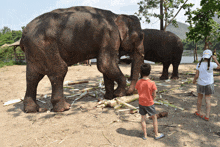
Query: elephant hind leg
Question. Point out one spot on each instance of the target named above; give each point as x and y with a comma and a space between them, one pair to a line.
165, 73
56, 78
175, 70
32, 78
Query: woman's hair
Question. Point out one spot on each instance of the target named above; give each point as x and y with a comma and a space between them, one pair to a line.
145, 69
208, 62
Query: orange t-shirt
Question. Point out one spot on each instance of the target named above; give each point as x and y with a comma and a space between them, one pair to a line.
145, 89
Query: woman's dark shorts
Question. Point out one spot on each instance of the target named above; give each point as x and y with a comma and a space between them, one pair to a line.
150, 110
207, 90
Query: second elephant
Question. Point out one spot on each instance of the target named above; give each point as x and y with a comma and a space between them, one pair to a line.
165, 47
161, 46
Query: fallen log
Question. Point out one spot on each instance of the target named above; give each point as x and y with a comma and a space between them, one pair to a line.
115, 104
126, 104
166, 103
160, 115
118, 102
80, 82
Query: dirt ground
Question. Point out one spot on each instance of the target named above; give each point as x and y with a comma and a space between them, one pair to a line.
83, 125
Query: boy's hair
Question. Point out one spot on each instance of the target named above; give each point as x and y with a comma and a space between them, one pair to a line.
208, 62
145, 69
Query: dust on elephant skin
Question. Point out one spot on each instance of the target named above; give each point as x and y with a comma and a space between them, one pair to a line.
63, 37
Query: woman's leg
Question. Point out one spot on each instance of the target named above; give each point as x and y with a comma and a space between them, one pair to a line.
208, 104
199, 103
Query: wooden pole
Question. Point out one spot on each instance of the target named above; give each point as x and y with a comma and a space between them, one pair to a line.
15, 53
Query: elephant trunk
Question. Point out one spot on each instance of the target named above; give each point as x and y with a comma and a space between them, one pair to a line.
137, 61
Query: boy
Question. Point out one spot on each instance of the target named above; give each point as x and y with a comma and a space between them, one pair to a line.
147, 92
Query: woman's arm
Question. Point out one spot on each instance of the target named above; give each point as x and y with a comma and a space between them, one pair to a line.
196, 76
216, 61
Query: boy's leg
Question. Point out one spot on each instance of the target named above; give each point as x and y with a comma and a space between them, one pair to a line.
199, 103
154, 118
208, 105
143, 124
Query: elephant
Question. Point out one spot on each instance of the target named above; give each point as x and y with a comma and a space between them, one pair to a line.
63, 37
162, 46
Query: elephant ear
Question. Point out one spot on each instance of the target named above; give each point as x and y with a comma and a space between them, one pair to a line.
121, 22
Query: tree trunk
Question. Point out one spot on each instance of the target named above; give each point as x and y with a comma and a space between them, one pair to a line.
206, 43
196, 53
161, 13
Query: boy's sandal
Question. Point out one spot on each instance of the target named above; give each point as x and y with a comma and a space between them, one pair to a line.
159, 137
144, 138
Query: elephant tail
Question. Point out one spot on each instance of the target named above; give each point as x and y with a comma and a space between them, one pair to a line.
22, 46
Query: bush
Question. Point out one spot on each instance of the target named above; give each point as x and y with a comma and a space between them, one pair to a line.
10, 63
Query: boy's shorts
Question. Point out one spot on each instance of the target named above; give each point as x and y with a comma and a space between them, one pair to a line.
207, 90
150, 110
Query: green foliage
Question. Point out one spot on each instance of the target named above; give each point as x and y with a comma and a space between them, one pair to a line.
10, 63
146, 7
202, 25
10, 37
5, 30
7, 53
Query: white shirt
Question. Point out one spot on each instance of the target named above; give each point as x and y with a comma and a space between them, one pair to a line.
206, 76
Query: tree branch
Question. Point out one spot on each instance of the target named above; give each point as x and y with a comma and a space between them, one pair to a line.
176, 14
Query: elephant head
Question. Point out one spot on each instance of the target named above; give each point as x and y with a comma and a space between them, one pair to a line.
132, 39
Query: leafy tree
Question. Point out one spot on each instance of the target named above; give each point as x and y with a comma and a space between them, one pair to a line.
10, 36
202, 26
5, 30
168, 6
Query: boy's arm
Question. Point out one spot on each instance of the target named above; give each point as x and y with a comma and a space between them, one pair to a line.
154, 94
196, 76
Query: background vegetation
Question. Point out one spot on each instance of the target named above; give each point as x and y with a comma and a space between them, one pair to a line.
8, 36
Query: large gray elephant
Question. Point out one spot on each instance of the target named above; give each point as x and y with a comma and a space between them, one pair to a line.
162, 46
165, 47
63, 37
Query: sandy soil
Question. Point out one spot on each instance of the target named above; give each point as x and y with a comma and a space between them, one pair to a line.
83, 125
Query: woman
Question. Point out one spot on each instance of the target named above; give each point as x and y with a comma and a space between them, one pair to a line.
205, 83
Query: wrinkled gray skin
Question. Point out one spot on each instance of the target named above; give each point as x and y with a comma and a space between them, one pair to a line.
63, 37
162, 46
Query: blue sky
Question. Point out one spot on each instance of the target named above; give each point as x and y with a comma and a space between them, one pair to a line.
17, 13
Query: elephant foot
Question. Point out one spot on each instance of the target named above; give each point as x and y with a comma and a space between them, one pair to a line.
174, 77
108, 96
33, 108
119, 93
61, 106
164, 78
129, 92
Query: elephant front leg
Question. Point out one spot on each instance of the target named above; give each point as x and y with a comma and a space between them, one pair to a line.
109, 87
32, 78
109, 67
164, 75
111, 75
